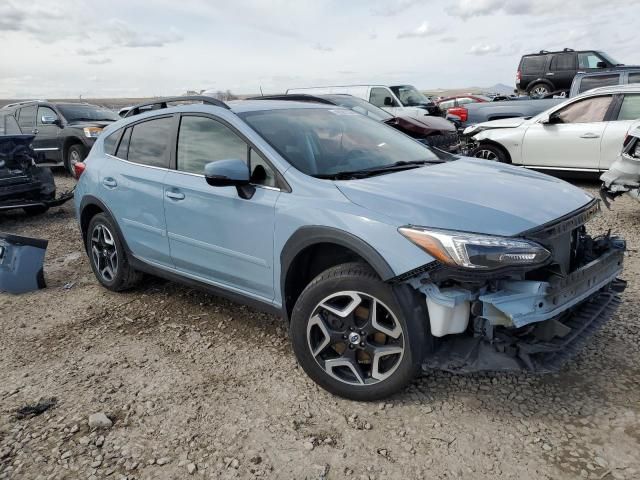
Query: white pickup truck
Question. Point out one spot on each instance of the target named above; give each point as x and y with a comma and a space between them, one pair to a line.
398, 100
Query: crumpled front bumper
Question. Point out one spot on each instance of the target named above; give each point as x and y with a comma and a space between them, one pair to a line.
534, 325
622, 177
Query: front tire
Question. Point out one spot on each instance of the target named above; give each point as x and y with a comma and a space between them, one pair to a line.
353, 337
490, 152
107, 255
76, 153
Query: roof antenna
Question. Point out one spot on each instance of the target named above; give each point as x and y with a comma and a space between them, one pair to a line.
261, 94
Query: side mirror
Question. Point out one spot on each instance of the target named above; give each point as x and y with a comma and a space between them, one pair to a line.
544, 120
388, 102
230, 173
601, 65
49, 120
552, 119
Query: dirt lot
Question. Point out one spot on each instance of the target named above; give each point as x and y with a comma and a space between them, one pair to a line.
199, 386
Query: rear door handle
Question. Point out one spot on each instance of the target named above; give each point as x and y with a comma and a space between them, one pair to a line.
109, 182
550, 74
174, 195
589, 135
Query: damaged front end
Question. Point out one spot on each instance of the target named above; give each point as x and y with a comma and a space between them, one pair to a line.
624, 174
22, 183
532, 314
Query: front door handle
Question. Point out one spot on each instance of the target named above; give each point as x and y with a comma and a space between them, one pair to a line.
589, 135
174, 195
34, 131
109, 182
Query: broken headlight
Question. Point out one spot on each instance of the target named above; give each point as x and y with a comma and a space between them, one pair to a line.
470, 250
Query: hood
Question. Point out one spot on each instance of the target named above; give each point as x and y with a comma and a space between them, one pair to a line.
468, 194
425, 125
502, 123
85, 124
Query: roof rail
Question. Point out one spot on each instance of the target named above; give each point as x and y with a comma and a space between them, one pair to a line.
295, 97
162, 103
543, 51
568, 50
22, 102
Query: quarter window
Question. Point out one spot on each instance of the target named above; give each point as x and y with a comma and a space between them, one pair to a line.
596, 81
9, 125
27, 118
533, 64
111, 142
634, 77
202, 140
123, 148
588, 110
149, 143
630, 109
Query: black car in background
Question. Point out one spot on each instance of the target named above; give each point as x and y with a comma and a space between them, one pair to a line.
542, 73
63, 132
434, 131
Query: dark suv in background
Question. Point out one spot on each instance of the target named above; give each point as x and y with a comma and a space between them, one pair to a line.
64, 132
542, 73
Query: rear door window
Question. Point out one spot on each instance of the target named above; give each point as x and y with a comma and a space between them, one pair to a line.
27, 118
589, 110
587, 83
630, 109
534, 64
563, 61
149, 144
123, 148
11, 126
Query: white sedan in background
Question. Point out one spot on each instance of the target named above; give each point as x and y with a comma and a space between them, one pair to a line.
585, 133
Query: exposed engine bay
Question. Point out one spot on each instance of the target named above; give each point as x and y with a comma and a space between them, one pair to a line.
524, 318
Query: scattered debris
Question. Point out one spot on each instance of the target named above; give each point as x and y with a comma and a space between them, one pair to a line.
37, 408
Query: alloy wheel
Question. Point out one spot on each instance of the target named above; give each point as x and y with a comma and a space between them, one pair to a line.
74, 157
355, 338
539, 92
486, 154
104, 252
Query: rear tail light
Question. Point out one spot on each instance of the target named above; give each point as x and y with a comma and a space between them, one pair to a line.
79, 169
459, 112
518, 76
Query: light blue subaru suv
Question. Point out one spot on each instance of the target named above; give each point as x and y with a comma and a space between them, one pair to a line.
385, 257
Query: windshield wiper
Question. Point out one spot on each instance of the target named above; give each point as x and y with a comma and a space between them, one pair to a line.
369, 172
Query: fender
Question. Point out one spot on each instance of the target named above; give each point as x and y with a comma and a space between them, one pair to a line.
89, 200
310, 235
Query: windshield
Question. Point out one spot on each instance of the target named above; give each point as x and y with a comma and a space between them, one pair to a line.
88, 113
410, 96
359, 105
323, 142
609, 59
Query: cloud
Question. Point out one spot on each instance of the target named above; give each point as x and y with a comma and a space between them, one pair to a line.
11, 18
322, 48
466, 9
448, 39
123, 35
98, 61
424, 30
483, 49
393, 8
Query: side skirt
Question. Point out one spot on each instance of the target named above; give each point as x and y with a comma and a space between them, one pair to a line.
214, 290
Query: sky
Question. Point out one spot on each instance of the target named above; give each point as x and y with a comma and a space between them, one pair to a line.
120, 48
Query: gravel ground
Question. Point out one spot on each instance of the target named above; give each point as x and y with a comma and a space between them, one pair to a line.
197, 386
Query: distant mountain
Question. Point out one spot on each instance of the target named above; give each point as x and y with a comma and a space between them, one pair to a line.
500, 88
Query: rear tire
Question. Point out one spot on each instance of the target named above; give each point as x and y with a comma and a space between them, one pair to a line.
347, 350
107, 255
490, 152
539, 90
